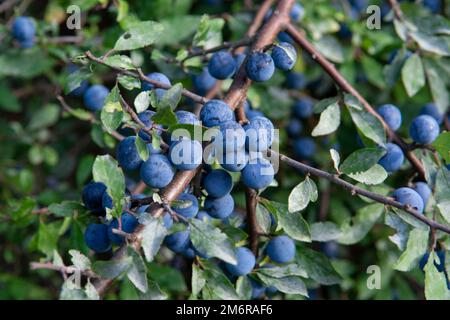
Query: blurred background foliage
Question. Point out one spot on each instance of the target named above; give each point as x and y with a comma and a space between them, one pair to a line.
46, 154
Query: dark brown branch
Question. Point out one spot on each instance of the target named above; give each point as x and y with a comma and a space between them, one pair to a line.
329, 68
251, 201
140, 75
356, 190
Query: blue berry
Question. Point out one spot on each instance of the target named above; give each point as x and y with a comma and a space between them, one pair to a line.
107, 201
94, 97
222, 65
92, 196
304, 147
407, 196
391, 115
219, 208
204, 216
167, 221
96, 237
129, 224
284, 37
297, 12
246, 262
233, 136
258, 173
157, 171
259, 134
146, 118
215, 112
178, 242
239, 58
423, 190
295, 80
393, 159
260, 66
303, 108
294, 128
23, 29
81, 89
218, 183
159, 77
186, 117
284, 56
431, 110
281, 249
234, 161
128, 155
186, 205
424, 129
186, 154
204, 81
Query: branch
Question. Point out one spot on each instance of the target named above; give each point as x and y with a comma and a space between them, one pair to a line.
251, 201
63, 269
356, 190
329, 68
140, 75
396, 8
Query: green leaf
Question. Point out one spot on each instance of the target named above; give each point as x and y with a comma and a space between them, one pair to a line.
373, 70
442, 192
142, 149
165, 117
317, 266
207, 30
244, 288
152, 236
435, 281
112, 113
431, 44
292, 223
120, 61
442, 145
74, 79
8, 101
263, 218
107, 170
302, 194
284, 271
66, 208
211, 241
331, 48
141, 34
153, 292
413, 75
373, 176
79, 260
415, 249
111, 269
48, 235
289, 284
366, 122
142, 101
329, 121
178, 28
401, 237
362, 223
90, 291
438, 87
325, 231
23, 63
84, 170
44, 117
361, 160
217, 285
129, 82
171, 97
137, 273
392, 71
197, 281
336, 159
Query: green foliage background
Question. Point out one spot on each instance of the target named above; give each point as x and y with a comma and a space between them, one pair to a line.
47, 154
